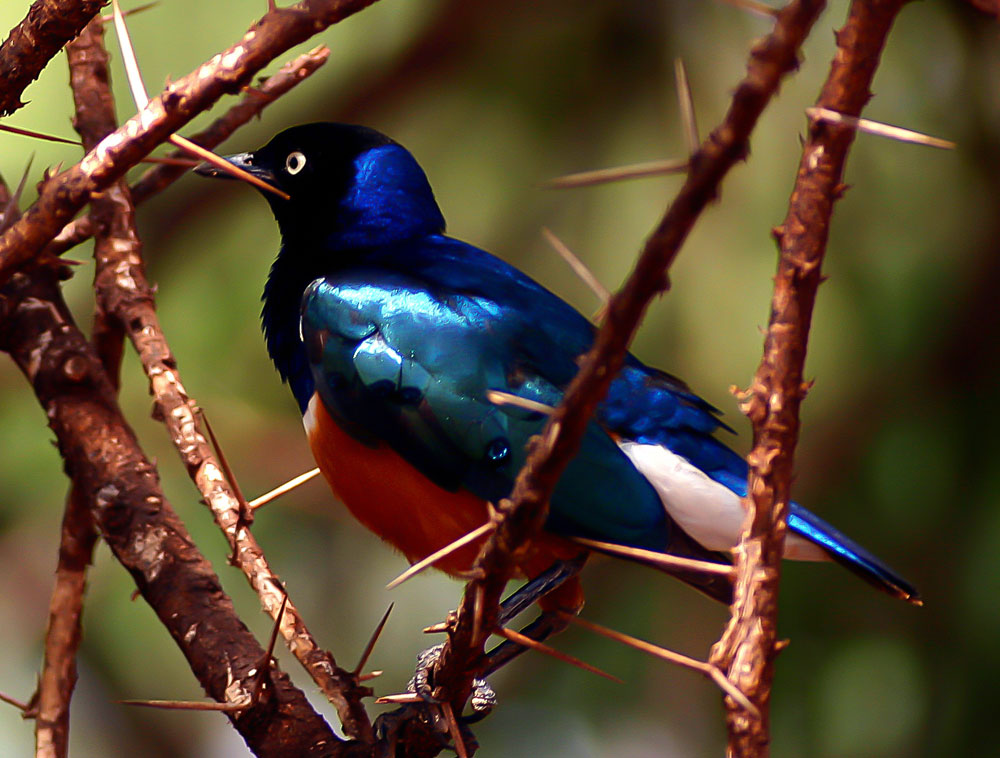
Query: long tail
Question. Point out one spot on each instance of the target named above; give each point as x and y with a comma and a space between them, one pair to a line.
850, 554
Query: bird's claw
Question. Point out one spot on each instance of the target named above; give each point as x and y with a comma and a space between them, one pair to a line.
483, 698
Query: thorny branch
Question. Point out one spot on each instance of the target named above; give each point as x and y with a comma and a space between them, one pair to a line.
523, 514
225, 73
78, 534
160, 177
48, 26
747, 648
120, 486
126, 300
62, 636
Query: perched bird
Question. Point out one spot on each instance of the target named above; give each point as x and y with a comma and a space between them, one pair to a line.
390, 334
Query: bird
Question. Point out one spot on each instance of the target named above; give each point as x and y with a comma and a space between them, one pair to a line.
391, 336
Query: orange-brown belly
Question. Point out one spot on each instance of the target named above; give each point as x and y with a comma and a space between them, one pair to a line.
402, 506
392, 498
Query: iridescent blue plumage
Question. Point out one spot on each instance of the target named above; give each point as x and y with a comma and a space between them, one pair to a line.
401, 331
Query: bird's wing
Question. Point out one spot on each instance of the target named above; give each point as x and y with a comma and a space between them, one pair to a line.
404, 355
397, 363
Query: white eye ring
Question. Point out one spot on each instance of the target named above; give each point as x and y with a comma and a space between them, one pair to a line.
295, 162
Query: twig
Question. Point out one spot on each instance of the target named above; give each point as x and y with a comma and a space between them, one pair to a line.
94, 118
748, 645
226, 72
106, 464
522, 516
62, 636
158, 179
124, 293
48, 25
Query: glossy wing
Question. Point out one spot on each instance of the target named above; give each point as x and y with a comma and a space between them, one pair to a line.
395, 364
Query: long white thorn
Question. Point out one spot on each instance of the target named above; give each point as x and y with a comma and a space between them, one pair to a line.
434, 557
282, 489
505, 398
617, 174
877, 127
686, 103
578, 266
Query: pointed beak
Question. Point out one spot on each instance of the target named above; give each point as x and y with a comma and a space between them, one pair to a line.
241, 160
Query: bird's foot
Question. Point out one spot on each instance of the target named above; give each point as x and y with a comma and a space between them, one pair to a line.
482, 700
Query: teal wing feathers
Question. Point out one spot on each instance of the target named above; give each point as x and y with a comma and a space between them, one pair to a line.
395, 364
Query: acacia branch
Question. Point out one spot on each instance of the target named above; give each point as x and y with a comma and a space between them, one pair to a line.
225, 73
158, 178
30, 46
121, 488
748, 646
522, 515
126, 301
87, 61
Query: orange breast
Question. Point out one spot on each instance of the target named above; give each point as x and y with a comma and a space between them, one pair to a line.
392, 498
405, 508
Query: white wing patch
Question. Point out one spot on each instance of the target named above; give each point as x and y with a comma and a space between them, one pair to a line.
708, 511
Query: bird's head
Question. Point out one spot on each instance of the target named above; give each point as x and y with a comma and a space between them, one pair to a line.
348, 186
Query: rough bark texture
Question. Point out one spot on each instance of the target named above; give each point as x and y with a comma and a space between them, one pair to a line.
749, 644
225, 73
121, 488
524, 513
49, 25
160, 177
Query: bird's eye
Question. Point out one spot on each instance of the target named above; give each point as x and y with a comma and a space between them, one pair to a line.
295, 162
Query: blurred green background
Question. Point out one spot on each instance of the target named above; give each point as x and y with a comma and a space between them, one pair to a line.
898, 444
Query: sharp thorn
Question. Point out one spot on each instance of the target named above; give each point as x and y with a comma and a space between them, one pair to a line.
617, 174
434, 557
404, 697
498, 397
282, 489
366, 653
578, 266
713, 672
686, 107
651, 557
541, 647
878, 128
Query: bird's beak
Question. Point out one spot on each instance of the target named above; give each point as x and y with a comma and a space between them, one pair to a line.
241, 160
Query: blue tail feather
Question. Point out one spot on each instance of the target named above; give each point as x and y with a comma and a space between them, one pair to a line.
849, 554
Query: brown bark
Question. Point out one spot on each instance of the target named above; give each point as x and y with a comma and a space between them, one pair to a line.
48, 25
121, 488
749, 644
158, 178
226, 73
524, 513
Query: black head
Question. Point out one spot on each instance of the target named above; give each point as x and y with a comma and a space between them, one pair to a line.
349, 186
